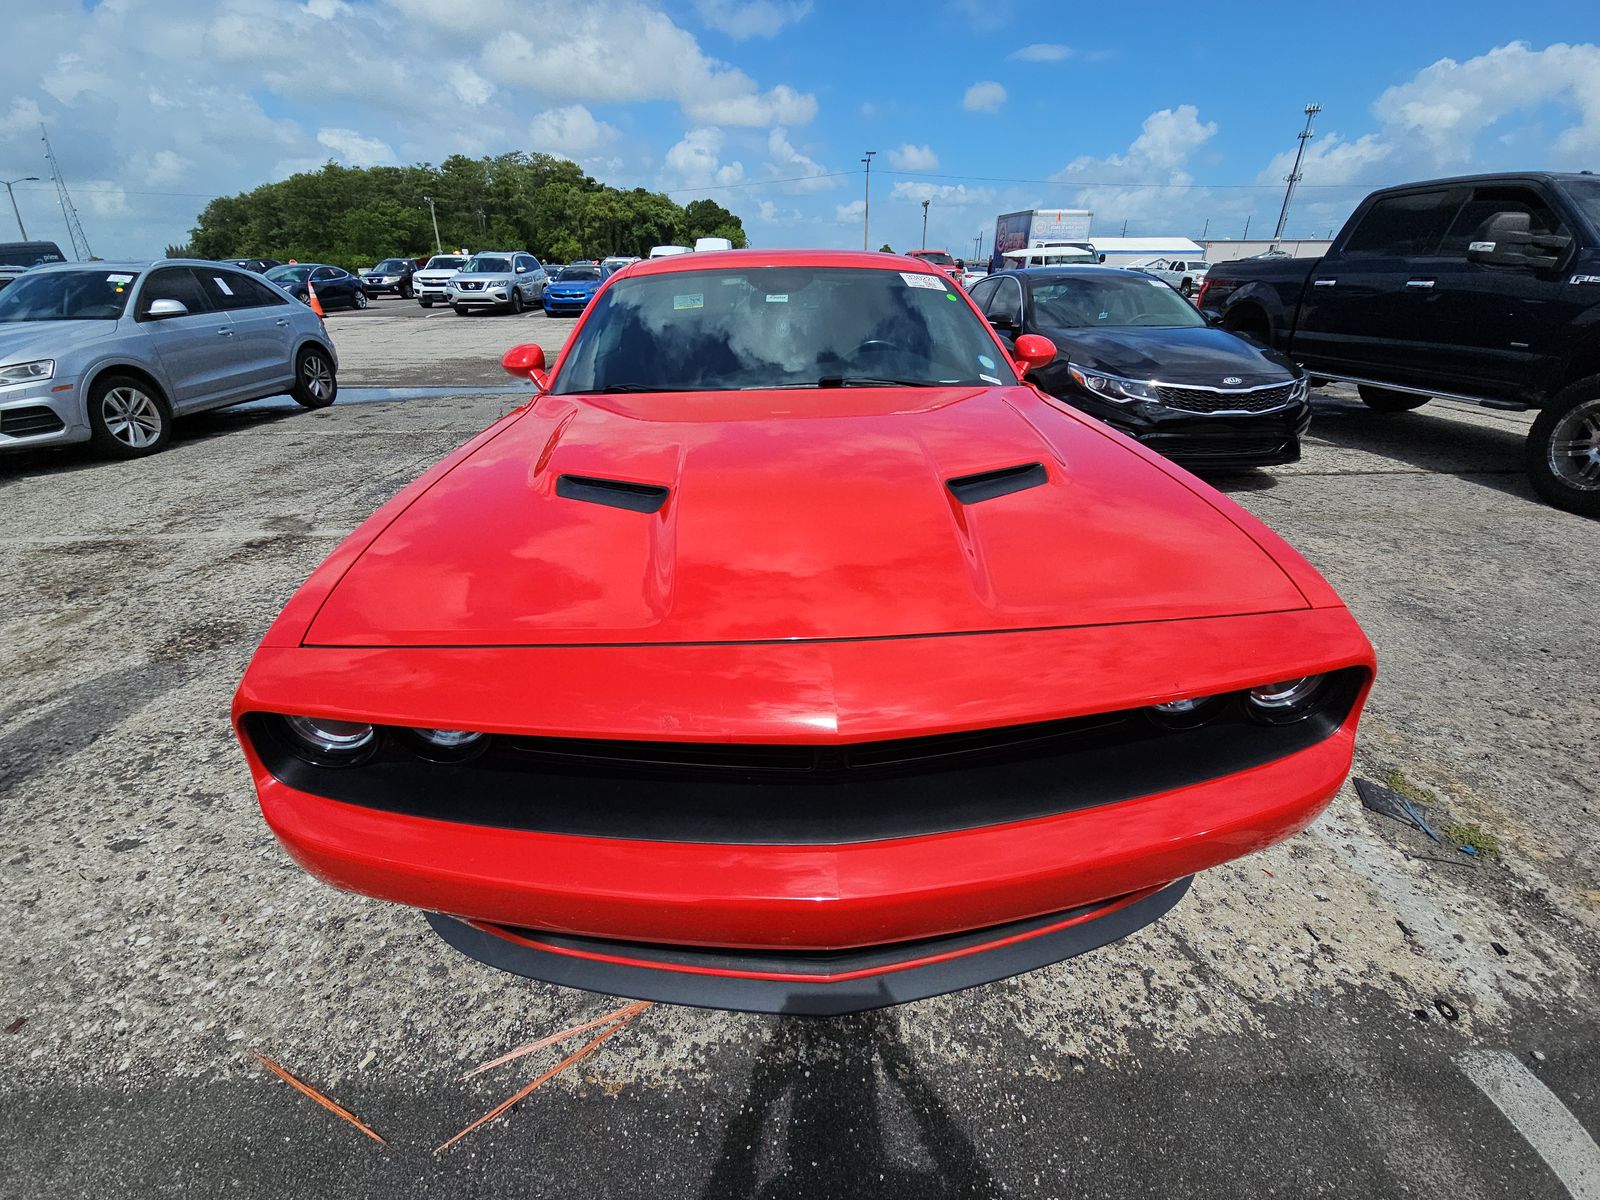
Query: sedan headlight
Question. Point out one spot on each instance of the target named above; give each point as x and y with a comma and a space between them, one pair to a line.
1114, 387
28, 372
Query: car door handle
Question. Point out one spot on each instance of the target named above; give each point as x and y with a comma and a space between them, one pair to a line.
1419, 283
282, 321
1323, 282
224, 333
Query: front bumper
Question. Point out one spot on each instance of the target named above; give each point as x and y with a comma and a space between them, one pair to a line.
46, 413
635, 902
488, 298
1206, 440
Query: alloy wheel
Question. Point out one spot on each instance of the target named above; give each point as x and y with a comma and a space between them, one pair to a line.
132, 417
318, 378
1575, 447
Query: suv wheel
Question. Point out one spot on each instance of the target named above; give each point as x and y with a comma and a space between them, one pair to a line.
315, 385
1563, 455
516, 300
128, 418
1386, 400
405, 290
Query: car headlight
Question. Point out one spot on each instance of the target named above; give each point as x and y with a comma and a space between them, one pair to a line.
498, 283
1287, 700
327, 741
39, 368
1190, 711
448, 744
1114, 387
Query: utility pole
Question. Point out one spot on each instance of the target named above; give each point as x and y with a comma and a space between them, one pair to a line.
13, 195
1206, 230
80, 243
1246, 236
924, 224
866, 212
1293, 177
1124, 227
438, 246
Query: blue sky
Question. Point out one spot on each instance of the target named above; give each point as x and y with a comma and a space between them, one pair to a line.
1159, 116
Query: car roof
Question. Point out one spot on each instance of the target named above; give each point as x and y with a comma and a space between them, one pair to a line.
1066, 271
711, 259
147, 264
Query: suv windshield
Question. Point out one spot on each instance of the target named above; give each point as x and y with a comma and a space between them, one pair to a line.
482, 265
579, 273
390, 265
442, 262
67, 296
780, 327
1090, 302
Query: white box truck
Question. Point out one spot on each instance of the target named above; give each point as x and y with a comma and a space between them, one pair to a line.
1018, 230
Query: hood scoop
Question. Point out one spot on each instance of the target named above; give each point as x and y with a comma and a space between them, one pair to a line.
614, 493
988, 485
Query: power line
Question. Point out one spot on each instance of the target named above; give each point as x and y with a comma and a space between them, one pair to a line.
1120, 183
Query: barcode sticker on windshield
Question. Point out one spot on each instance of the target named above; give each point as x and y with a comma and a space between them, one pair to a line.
935, 282
119, 278
778, 298
692, 300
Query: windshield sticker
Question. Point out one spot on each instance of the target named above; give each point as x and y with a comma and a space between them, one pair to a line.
778, 298
985, 361
119, 278
692, 300
936, 282
223, 284
989, 379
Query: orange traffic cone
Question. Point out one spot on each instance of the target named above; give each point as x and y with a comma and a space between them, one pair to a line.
311, 299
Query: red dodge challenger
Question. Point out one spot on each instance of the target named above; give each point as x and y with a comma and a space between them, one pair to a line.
788, 652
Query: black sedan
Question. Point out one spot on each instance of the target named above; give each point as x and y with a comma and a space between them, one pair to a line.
335, 287
1141, 358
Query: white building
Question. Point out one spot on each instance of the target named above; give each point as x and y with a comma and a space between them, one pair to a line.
1124, 251
1228, 249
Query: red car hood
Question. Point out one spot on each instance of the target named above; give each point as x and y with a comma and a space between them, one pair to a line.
799, 514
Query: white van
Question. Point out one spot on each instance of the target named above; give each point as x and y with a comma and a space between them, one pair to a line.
701, 245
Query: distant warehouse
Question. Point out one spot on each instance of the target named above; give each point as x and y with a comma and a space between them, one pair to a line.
1227, 249
1125, 251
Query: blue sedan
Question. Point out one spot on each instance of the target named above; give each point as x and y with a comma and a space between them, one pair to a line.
571, 290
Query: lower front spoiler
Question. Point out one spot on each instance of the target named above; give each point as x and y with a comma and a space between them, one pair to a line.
807, 983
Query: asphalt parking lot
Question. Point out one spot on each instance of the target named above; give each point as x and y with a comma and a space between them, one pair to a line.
1330, 1017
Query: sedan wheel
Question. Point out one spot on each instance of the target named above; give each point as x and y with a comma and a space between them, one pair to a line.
128, 418
361, 298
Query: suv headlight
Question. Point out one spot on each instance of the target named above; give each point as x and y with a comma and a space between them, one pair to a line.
28, 372
1114, 387
498, 283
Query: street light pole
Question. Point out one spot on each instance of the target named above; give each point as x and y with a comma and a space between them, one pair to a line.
924, 224
866, 211
13, 195
438, 246
1305, 135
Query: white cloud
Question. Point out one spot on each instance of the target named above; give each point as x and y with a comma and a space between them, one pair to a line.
354, 149
803, 174
986, 96
952, 195
850, 214
569, 130
470, 88
1042, 52
695, 160
166, 166
751, 18
914, 158
22, 117
1151, 178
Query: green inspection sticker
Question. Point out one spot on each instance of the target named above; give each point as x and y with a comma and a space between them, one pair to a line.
692, 300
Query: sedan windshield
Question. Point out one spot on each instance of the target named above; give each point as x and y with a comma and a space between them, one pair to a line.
780, 327
1099, 301
295, 274
484, 264
579, 273
67, 296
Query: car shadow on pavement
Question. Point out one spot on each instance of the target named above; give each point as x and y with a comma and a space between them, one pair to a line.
851, 1086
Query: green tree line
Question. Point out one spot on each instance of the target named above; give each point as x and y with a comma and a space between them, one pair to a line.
354, 216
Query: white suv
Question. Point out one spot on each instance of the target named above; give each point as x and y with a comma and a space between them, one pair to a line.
429, 283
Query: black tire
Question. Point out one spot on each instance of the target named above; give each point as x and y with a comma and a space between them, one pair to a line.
405, 291
1563, 451
460, 311
425, 302
1251, 324
128, 417
1386, 400
315, 383
516, 302
360, 300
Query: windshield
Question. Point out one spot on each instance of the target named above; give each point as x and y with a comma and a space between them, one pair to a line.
442, 262
483, 264
295, 274
1096, 302
579, 273
67, 296
389, 265
941, 257
1586, 195
779, 327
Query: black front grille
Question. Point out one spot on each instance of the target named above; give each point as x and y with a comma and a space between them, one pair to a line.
1201, 448
469, 286
1204, 400
803, 794
30, 421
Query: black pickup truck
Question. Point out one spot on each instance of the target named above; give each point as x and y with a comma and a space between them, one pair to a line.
1483, 288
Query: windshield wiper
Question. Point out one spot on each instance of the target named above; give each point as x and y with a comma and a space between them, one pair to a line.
640, 387
833, 381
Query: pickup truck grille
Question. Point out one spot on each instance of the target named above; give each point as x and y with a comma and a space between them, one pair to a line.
1205, 400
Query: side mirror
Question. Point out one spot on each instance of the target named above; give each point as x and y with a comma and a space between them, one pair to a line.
1102, 258
1003, 322
1033, 351
526, 362
522, 270
161, 310
1507, 240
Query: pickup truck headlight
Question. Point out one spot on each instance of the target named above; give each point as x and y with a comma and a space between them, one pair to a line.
28, 372
1114, 387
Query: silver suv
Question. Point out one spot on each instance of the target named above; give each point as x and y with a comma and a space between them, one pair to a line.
504, 279
110, 353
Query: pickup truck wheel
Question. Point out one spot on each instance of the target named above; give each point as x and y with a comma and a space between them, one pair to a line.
1385, 400
425, 302
1563, 454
